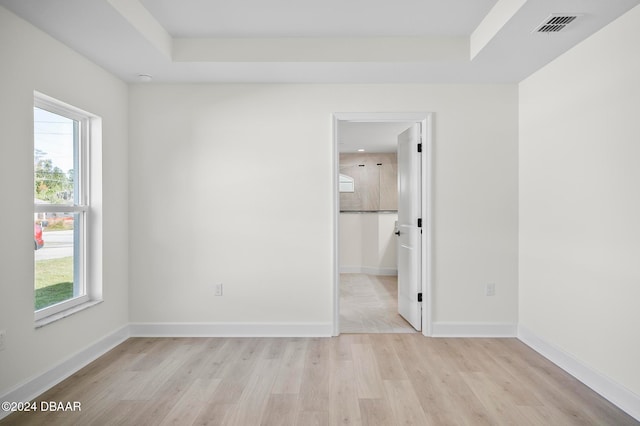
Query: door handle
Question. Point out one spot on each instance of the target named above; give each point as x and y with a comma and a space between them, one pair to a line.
397, 232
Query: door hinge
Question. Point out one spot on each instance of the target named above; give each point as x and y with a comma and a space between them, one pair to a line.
419, 297
419, 222
419, 147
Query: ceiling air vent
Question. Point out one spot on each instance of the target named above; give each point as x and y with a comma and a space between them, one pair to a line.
555, 23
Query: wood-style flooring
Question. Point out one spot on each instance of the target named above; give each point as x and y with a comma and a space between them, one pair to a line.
369, 304
354, 379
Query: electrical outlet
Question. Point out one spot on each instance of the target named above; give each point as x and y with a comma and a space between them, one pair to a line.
3, 335
219, 289
490, 289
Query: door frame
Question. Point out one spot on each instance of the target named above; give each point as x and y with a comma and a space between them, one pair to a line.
426, 120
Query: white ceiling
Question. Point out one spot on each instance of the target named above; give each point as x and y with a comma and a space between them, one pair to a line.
332, 41
326, 18
370, 136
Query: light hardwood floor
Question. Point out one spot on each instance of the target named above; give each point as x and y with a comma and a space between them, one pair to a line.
369, 304
368, 379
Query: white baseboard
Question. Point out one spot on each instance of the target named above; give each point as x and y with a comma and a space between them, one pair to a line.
368, 270
45, 381
473, 329
231, 329
617, 394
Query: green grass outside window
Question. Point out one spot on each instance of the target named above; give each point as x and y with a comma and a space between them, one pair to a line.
54, 281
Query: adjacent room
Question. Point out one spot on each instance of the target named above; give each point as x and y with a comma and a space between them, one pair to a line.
260, 213
368, 227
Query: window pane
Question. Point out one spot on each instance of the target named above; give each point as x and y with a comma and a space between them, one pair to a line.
57, 273
55, 158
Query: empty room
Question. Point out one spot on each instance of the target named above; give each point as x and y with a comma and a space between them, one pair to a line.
223, 236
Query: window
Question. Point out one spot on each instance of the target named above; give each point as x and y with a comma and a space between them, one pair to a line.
61, 206
347, 184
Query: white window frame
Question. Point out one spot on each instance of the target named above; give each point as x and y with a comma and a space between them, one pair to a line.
81, 207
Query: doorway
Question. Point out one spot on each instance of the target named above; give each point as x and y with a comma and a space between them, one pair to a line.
376, 284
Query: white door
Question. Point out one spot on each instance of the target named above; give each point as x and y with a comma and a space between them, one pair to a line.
409, 226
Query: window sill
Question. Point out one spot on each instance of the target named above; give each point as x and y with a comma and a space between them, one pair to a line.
58, 316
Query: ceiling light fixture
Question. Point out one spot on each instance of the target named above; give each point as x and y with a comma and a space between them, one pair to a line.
145, 77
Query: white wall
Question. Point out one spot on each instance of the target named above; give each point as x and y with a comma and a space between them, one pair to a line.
213, 198
31, 60
580, 202
367, 243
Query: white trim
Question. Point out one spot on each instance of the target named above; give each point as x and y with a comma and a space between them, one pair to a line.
59, 208
617, 394
50, 319
426, 120
427, 218
336, 228
474, 329
59, 107
380, 117
230, 329
368, 270
41, 383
